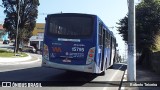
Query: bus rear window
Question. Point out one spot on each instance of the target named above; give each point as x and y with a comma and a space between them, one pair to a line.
74, 27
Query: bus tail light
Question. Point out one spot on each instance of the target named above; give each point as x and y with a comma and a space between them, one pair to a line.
90, 56
45, 52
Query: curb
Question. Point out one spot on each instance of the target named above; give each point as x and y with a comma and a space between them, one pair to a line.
124, 78
23, 62
18, 59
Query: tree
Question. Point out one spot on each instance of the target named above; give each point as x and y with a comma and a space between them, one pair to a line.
147, 26
28, 12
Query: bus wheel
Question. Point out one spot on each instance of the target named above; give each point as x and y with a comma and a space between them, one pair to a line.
102, 73
111, 67
106, 65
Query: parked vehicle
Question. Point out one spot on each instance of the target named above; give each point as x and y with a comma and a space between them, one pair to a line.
6, 42
28, 49
39, 51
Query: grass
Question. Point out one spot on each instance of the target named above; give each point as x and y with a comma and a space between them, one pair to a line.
4, 53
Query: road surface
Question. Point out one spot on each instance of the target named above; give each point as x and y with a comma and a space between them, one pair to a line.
34, 72
77, 81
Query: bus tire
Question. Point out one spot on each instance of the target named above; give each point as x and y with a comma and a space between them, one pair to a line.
106, 65
111, 67
102, 73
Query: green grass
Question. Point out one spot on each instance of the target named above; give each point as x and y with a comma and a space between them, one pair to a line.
4, 53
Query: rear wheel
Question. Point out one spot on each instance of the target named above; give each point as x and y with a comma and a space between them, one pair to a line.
102, 73
105, 67
111, 67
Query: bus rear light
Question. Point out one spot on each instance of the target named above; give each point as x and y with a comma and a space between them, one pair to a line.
45, 52
91, 51
90, 56
89, 61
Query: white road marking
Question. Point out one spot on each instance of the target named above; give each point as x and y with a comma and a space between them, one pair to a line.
105, 88
122, 88
115, 73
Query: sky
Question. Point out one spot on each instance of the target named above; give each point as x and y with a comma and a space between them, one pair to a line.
110, 12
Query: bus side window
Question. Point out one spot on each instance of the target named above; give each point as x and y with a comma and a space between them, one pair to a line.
107, 39
100, 34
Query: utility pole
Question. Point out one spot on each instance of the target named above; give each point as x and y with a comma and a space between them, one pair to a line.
131, 68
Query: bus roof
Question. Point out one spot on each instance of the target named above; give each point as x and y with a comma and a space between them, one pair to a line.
72, 14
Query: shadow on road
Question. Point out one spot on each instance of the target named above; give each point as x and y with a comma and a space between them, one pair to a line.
56, 77
47, 76
119, 66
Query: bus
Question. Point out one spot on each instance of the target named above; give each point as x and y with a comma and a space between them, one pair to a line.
78, 42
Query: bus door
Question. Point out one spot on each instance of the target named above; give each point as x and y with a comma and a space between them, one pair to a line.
102, 45
110, 51
103, 49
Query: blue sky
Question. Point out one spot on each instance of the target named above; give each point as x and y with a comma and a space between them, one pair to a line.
110, 11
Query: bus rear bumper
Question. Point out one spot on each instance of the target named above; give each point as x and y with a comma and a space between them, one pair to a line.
82, 68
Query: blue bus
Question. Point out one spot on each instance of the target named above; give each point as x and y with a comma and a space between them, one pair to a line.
78, 42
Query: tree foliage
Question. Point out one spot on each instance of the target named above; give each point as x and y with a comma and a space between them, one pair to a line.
28, 12
147, 24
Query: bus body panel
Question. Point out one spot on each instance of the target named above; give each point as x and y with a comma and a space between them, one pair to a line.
78, 53
90, 68
68, 52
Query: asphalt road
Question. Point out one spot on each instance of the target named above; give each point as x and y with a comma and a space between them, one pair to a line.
34, 72
61, 79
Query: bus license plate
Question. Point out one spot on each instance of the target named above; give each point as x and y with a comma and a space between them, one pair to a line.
66, 60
